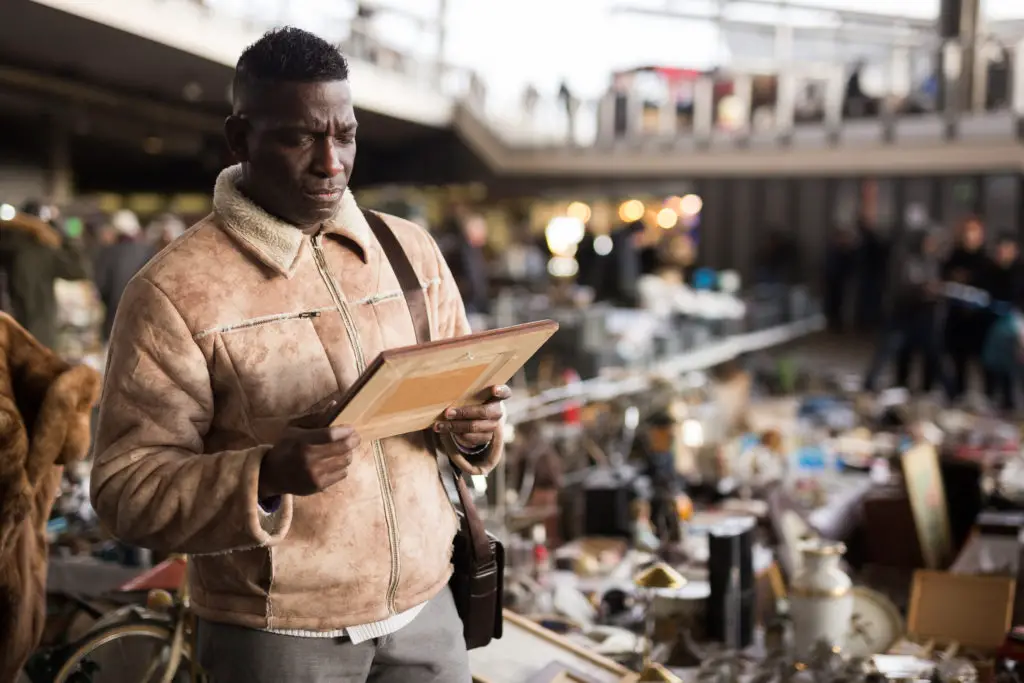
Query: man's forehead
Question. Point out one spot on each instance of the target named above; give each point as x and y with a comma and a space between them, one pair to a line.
287, 101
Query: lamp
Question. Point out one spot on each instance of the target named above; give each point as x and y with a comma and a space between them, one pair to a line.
659, 576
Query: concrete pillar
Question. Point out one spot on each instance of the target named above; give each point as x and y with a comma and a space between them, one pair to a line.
634, 114
958, 31
61, 181
442, 30
835, 90
1017, 86
785, 101
703, 108
900, 72
667, 118
743, 90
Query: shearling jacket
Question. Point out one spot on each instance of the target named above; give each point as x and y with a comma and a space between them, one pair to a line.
241, 325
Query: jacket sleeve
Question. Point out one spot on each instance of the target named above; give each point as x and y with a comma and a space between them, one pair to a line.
450, 321
152, 483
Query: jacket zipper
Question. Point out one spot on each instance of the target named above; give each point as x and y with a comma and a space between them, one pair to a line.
383, 478
265, 320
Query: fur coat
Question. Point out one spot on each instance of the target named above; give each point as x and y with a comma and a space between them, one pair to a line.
45, 406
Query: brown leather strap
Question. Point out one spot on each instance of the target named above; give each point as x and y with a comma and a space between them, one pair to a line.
406, 274
416, 302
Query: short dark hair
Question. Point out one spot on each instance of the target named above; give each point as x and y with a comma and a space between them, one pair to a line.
289, 54
1006, 236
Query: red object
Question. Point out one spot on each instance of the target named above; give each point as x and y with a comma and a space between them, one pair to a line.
572, 414
168, 575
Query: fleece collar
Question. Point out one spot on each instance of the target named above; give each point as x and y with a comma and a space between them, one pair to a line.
275, 242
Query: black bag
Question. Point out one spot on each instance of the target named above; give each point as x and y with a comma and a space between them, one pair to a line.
478, 558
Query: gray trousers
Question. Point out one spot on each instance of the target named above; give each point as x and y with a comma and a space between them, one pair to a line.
430, 649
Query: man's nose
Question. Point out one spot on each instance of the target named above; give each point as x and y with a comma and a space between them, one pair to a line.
327, 161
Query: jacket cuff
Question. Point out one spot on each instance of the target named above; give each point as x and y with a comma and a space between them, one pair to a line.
474, 461
268, 519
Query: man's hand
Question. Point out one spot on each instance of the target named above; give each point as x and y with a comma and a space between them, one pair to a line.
307, 461
475, 426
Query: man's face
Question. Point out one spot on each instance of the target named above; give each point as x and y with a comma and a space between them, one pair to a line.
974, 235
297, 144
1006, 252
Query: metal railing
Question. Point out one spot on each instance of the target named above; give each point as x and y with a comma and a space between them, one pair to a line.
724, 106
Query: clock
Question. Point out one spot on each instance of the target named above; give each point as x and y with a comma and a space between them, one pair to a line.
875, 626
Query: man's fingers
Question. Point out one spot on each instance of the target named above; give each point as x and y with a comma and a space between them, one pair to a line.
344, 445
487, 411
501, 392
488, 427
476, 439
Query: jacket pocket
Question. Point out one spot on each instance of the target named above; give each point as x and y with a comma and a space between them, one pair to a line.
278, 363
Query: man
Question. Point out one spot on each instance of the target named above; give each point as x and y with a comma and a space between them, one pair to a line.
966, 325
315, 556
33, 256
1004, 282
117, 263
912, 329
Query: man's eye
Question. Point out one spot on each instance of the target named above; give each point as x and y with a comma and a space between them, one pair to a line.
296, 139
347, 138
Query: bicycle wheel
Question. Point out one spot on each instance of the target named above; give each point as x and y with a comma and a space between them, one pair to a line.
123, 653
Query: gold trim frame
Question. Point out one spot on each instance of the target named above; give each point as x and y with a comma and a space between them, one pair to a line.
578, 663
923, 478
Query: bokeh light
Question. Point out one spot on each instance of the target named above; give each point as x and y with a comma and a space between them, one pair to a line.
690, 204
603, 245
667, 218
563, 234
578, 210
631, 210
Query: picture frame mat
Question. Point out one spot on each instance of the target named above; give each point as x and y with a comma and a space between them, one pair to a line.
404, 390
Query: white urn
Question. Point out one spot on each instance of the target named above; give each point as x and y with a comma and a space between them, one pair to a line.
821, 597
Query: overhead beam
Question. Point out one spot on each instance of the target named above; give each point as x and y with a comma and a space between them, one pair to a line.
890, 35
146, 110
845, 15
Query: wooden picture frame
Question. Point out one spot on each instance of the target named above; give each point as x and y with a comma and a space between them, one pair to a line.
405, 390
923, 478
973, 611
530, 653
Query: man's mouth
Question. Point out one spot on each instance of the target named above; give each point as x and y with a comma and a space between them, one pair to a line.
324, 194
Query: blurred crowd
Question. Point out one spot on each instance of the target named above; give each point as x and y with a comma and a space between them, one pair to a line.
40, 246
949, 303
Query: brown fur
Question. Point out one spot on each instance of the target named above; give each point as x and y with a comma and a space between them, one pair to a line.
44, 424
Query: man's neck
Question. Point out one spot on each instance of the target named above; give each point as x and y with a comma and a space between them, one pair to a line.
243, 188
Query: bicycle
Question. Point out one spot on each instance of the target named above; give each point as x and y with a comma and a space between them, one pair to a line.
156, 640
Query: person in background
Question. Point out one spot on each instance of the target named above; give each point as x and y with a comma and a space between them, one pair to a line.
840, 264
33, 255
1004, 280
966, 325
570, 104
778, 259
530, 99
872, 274
1005, 284
117, 263
164, 230
913, 328
464, 234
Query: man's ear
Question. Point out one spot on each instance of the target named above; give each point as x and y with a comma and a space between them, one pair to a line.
236, 132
